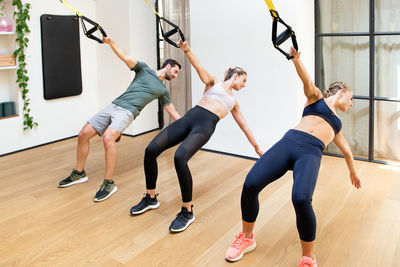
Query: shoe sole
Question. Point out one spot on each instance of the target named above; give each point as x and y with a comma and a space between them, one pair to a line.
79, 181
183, 229
252, 247
151, 207
109, 195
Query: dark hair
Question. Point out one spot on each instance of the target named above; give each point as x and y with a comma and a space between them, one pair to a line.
335, 87
171, 62
229, 72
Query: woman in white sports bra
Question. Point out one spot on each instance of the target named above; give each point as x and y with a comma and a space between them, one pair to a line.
193, 130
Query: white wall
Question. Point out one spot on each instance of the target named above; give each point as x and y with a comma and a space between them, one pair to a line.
104, 77
231, 33
228, 33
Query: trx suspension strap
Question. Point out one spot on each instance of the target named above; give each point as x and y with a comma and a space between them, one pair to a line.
88, 33
277, 40
168, 34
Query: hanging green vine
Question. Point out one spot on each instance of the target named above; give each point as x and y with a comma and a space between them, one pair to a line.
21, 15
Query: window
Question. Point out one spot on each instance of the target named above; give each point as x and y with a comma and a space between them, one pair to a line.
358, 42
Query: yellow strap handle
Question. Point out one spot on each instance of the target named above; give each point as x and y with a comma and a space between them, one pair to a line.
155, 12
271, 8
70, 7
270, 5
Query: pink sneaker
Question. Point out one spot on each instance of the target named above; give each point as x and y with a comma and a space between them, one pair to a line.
307, 262
239, 247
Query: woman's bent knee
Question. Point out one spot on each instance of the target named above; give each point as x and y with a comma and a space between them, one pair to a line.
151, 150
180, 158
301, 201
251, 185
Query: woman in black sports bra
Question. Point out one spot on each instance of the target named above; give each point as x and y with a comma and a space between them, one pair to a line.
299, 150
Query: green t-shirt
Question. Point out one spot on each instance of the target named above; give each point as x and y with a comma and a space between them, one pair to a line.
145, 87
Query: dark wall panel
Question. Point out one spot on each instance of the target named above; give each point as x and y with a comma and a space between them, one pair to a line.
61, 57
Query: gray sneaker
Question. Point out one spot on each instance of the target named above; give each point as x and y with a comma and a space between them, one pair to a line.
73, 178
106, 190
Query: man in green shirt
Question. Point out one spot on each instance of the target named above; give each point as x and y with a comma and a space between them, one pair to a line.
116, 117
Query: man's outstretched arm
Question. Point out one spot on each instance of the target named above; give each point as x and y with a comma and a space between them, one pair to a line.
129, 61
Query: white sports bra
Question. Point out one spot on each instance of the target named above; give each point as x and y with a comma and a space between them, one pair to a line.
218, 92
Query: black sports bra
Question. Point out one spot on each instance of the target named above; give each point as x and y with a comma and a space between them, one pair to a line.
321, 109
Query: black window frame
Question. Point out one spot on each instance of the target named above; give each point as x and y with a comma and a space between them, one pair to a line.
371, 98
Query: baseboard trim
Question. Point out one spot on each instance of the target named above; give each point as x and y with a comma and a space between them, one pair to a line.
149, 131
32, 147
228, 154
66, 138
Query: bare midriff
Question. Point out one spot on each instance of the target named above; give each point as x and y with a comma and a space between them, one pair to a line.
214, 106
317, 127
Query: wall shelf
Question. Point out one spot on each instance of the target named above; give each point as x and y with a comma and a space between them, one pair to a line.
9, 67
9, 91
7, 33
7, 117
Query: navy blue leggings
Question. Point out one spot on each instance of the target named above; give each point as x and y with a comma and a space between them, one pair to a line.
297, 151
193, 130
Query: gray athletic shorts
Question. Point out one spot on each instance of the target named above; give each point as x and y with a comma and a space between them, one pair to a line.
112, 116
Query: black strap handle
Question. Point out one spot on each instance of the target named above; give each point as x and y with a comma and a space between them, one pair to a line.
277, 40
175, 29
96, 26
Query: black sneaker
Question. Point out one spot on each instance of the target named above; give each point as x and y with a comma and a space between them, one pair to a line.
74, 178
147, 203
106, 190
182, 221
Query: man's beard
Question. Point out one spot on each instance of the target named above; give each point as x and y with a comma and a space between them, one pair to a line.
168, 76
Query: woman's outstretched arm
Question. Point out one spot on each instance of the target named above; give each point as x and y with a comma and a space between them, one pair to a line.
310, 90
341, 143
205, 77
240, 120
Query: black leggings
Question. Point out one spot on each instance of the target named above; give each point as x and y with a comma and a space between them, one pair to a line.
297, 151
193, 130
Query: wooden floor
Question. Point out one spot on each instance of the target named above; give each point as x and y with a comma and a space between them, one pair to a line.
42, 225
